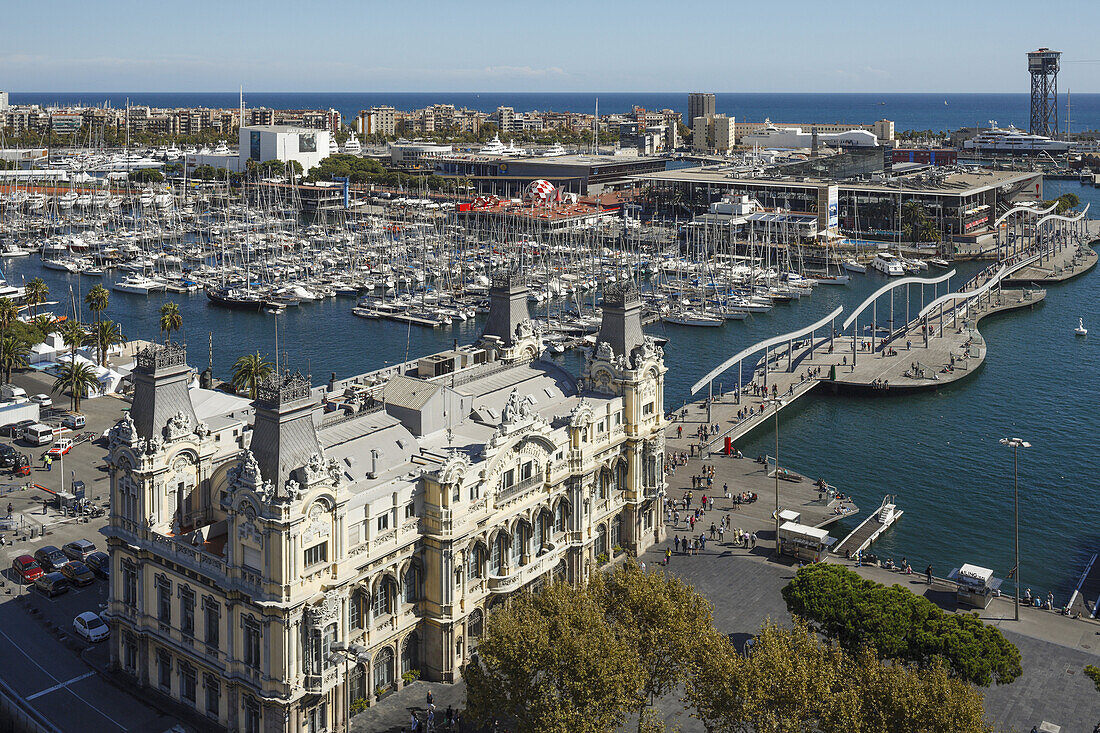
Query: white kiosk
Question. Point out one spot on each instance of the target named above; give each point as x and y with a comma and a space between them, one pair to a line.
801, 541
975, 586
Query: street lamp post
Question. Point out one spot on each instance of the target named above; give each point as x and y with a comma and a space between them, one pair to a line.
358, 652
776, 403
1016, 444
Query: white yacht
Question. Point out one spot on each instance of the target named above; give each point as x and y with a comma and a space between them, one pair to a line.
333, 147
888, 264
139, 284
352, 146
1012, 141
493, 147
553, 151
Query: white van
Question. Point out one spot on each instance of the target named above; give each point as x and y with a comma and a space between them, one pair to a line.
38, 434
11, 392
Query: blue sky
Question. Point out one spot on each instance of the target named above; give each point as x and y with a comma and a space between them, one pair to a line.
560, 45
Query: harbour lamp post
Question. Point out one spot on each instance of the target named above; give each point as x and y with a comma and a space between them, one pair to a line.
1016, 444
776, 403
359, 653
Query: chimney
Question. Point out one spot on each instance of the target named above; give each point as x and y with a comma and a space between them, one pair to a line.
507, 307
621, 326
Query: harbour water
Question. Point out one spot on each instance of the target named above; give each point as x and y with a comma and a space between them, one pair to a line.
908, 111
937, 452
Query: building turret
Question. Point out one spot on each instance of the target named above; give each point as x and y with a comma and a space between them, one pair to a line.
509, 326
161, 377
621, 327
284, 439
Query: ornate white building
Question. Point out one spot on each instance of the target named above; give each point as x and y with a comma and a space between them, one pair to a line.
272, 562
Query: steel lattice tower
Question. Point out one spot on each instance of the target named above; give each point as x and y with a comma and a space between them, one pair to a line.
1043, 65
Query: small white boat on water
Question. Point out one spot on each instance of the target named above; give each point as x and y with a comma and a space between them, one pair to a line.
853, 266
938, 262
1081, 330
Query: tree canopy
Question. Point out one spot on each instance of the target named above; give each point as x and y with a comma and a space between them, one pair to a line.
791, 681
899, 625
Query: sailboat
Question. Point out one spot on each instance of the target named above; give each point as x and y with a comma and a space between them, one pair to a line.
1081, 330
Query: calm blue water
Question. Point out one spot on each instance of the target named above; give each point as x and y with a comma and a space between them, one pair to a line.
908, 111
937, 452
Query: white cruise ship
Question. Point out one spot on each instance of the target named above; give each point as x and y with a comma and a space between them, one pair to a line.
352, 146
1012, 141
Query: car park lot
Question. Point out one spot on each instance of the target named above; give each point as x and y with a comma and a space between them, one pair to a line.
42, 658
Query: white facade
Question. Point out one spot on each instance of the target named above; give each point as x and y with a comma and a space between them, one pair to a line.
281, 142
404, 152
3, 100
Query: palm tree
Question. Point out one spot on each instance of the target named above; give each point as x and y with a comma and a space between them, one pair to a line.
170, 320
36, 292
9, 311
96, 300
13, 355
46, 324
78, 379
105, 334
74, 336
248, 371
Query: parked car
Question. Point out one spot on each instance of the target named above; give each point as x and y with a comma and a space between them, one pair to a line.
100, 563
26, 568
60, 448
9, 456
52, 584
91, 626
77, 573
73, 420
15, 430
37, 434
50, 558
42, 399
78, 549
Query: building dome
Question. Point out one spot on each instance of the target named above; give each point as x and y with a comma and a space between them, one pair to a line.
539, 191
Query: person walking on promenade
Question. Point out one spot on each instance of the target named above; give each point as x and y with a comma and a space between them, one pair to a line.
679, 431
713, 530
752, 538
9, 510
721, 532
928, 573
676, 543
668, 556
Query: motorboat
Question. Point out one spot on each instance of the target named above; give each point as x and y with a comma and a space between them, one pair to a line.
693, 318
139, 284
888, 264
1081, 330
853, 266
939, 262
352, 146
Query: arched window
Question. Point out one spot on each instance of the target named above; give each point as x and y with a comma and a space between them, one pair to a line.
475, 558
475, 624
383, 668
620, 476
517, 545
410, 653
384, 595
561, 516
412, 583
546, 526
601, 540
495, 554
616, 531
604, 485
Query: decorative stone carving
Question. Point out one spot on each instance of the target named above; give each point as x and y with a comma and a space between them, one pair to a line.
524, 329
517, 408
278, 389
323, 613
292, 490
319, 523
123, 433
179, 426
604, 352
158, 356
454, 468
154, 445
333, 469
581, 414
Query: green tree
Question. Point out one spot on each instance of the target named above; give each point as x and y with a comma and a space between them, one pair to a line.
105, 334
550, 663
146, 175
45, 325
36, 293
9, 313
793, 682
899, 625
97, 300
660, 618
74, 335
78, 380
248, 371
170, 320
13, 354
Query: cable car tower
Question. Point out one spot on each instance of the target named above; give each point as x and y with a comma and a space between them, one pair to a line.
1043, 65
